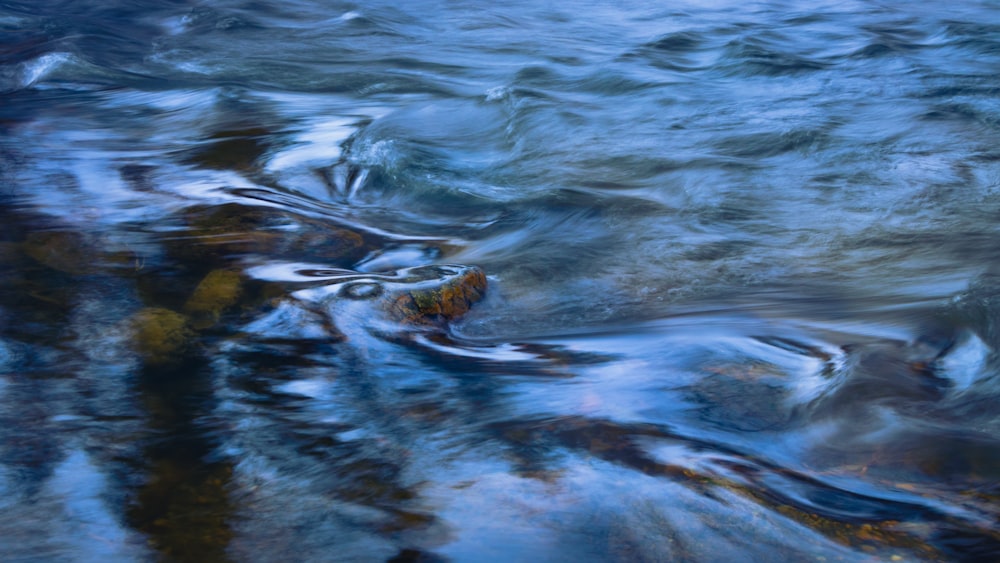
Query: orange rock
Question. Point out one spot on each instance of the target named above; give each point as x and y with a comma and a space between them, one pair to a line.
443, 298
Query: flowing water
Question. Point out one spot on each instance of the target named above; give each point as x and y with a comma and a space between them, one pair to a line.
742, 281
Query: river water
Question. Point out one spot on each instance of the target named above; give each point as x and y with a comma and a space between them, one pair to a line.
742, 265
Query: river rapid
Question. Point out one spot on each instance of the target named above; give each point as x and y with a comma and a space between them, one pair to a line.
687, 281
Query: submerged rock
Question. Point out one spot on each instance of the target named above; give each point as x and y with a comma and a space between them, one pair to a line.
222, 232
65, 251
217, 292
237, 149
161, 336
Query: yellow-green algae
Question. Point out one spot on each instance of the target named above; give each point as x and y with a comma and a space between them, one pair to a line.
217, 292
161, 336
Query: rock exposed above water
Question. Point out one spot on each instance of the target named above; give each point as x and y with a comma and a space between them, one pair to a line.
459, 289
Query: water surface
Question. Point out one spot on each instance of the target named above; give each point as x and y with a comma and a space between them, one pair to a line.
742, 264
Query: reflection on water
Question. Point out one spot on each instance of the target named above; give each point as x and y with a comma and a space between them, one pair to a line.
447, 281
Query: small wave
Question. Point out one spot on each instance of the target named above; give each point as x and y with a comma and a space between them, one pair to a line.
42, 66
881, 49
678, 51
404, 256
677, 42
295, 272
375, 152
37, 70
290, 322
967, 366
769, 144
319, 145
499, 353
752, 56
311, 388
498, 93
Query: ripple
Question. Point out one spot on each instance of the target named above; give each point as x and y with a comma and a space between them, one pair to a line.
740, 255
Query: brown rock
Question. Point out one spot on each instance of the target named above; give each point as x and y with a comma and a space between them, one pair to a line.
218, 291
65, 251
447, 294
161, 336
230, 230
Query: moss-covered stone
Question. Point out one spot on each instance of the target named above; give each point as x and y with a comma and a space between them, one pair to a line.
217, 292
161, 336
444, 299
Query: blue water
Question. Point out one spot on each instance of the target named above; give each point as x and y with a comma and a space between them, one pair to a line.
743, 274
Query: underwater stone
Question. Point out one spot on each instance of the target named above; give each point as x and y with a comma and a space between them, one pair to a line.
65, 251
160, 336
234, 229
218, 291
239, 149
76, 253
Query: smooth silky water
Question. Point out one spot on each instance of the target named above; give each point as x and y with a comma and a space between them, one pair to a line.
741, 297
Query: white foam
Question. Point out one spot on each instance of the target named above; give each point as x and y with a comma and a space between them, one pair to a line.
966, 364
319, 145
393, 259
36, 70
497, 93
287, 321
312, 388
500, 353
174, 25
292, 272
